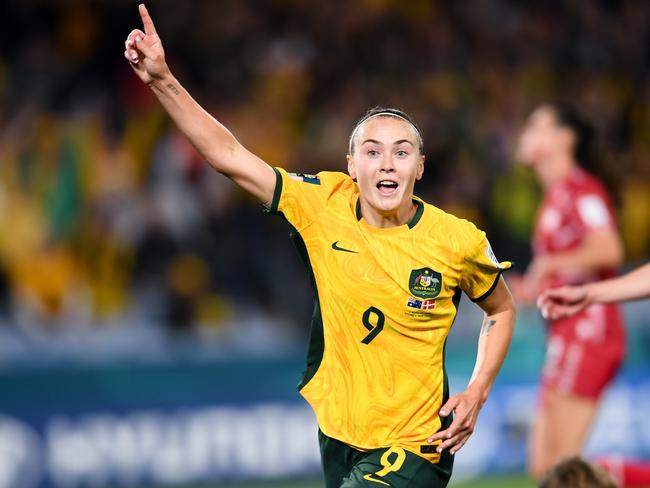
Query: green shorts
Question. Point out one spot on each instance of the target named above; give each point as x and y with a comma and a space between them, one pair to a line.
345, 467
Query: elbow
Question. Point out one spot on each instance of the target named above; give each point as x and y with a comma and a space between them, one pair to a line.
616, 255
222, 154
510, 304
620, 254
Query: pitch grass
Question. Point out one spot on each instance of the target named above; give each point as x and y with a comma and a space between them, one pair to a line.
509, 482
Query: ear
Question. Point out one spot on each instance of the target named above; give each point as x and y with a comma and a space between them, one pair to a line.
352, 170
420, 169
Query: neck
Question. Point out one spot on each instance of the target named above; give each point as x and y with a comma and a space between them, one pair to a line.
553, 170
401, 216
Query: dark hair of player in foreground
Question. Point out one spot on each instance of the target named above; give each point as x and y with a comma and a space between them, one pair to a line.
575, 472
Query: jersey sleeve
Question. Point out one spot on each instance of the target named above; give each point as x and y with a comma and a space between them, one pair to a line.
299, 197
481, 269
594, 212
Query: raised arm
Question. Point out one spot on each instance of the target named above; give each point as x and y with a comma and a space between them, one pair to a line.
213, 141
493, 344
565, 301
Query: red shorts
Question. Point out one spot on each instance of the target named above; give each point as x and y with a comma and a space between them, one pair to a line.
584, 352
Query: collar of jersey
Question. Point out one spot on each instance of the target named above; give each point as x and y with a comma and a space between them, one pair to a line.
390, 230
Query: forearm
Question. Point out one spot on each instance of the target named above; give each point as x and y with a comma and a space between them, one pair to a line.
602, 250
210, 138
214, 141
632, 286
579, 260
493, 344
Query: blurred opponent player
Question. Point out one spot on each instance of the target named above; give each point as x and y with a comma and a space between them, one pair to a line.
387, 271
566, 301
575, 241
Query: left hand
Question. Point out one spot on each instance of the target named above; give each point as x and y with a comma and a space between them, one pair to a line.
465, 407
558, 303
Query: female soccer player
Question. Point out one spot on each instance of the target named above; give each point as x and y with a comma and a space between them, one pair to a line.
575, 241
387, 271
566, 301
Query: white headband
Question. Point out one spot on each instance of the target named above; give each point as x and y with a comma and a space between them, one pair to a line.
380, 114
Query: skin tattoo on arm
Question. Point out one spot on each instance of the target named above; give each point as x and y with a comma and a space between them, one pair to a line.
173, 89
488, 323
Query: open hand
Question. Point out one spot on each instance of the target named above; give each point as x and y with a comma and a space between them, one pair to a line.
465, 407
144, 50
557, 303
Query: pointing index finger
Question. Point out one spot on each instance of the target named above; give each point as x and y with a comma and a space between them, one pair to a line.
146, 20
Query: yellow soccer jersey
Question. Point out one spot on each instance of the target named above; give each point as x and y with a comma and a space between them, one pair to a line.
385, 299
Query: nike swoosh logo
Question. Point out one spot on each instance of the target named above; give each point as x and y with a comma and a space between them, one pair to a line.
370, 478
335, 246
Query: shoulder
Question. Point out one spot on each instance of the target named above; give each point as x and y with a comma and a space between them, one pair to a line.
325, 179
316, 186
460, 232
587, 189
336, 180
584, 183
442, 217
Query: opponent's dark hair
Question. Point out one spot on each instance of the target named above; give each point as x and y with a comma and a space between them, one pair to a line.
586, 150
386, 112
575, 472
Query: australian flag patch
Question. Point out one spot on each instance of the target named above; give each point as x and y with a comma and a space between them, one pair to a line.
414, 303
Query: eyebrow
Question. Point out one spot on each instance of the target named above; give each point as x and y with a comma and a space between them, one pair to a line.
373, 141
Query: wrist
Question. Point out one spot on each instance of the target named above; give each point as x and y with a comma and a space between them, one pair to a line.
478, 389
590, 294
162, 81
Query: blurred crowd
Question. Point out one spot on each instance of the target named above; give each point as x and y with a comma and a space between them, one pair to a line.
108, 216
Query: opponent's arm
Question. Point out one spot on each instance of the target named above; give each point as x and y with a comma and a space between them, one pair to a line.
493, 343
212, 140
600, 249
565, 301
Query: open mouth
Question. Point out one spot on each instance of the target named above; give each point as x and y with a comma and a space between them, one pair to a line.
387, 187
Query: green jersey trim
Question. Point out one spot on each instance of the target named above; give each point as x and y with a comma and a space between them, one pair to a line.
492, 287
411, 223
316, 347
277, 192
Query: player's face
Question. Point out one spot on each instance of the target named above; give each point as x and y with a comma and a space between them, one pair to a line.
543, 138
386, 163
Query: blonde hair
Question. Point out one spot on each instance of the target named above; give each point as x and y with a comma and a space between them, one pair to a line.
386, 112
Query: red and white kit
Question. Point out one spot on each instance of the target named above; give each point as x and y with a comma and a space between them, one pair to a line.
585, 351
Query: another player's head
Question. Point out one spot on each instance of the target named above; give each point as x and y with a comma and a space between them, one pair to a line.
576, 473
386, 157
555, 137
